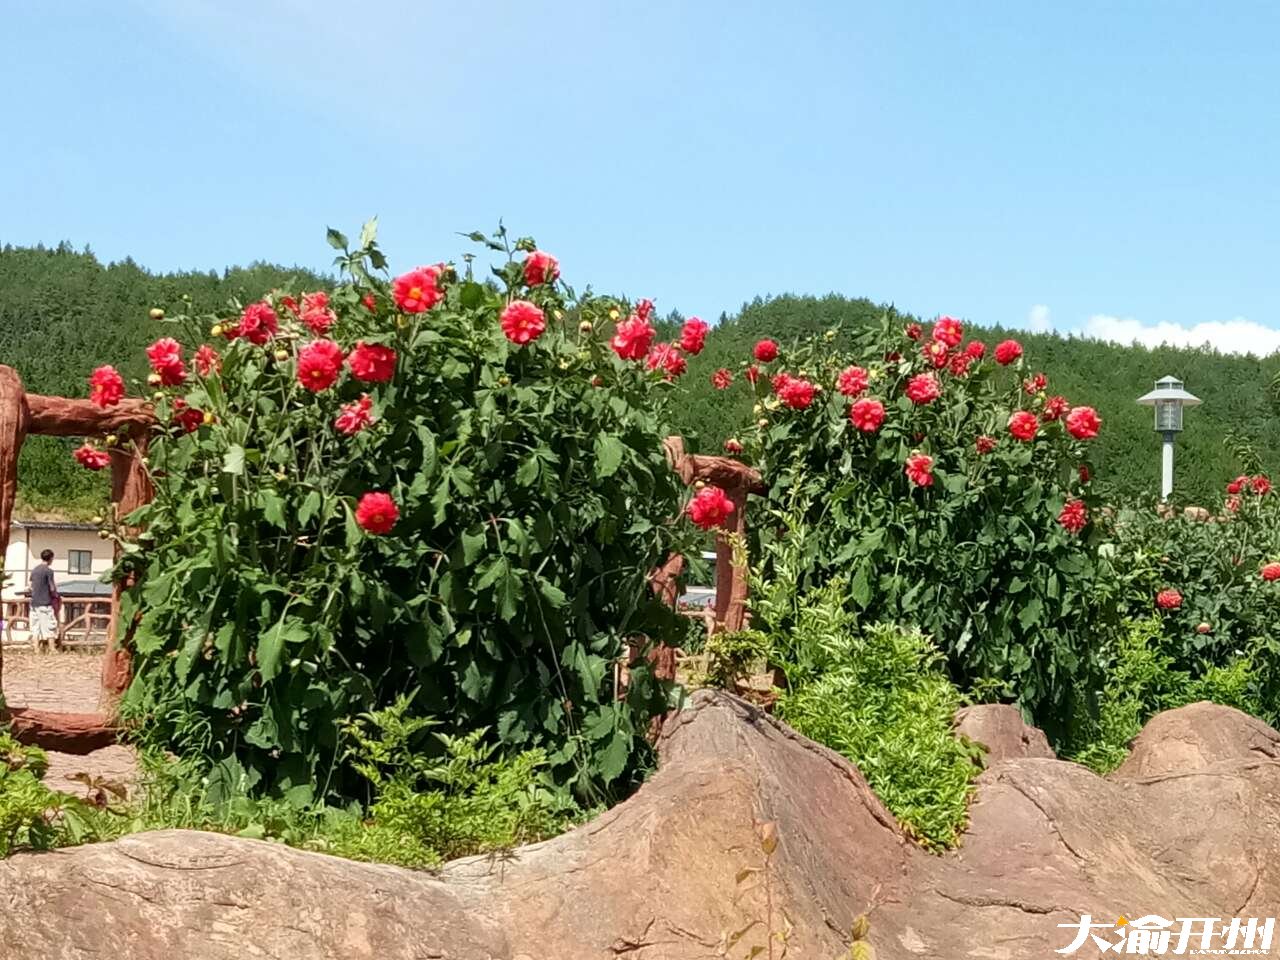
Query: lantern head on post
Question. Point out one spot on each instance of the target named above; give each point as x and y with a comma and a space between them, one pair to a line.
1168, 399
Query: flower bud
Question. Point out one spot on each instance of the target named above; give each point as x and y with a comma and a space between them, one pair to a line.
613, 314
585, 327
209, 418
584, 355
186, 298
558, 314
158, 396
504, 381
758, 409
153, 379
282, 355
96, 520
699, 484
111, 440
597, 381
829, 336
215, 330
102, 534
156, 313
564, 364
402, 322
762, 423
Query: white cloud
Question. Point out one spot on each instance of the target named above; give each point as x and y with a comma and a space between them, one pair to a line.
1038, 319
1229, 336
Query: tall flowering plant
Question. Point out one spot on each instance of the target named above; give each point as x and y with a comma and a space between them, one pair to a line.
415, 484
950, 486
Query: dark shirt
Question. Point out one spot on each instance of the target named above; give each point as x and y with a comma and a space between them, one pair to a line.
42, 588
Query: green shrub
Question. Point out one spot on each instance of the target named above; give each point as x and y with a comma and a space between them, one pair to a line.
534, 497
880, 697
1144, 680
33, 817
731, 655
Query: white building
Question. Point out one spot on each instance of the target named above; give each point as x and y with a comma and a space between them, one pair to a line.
80, 558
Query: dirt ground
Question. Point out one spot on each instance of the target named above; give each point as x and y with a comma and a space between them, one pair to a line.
71, 682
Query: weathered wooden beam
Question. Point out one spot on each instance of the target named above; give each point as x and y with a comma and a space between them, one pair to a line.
77, 733
66, 417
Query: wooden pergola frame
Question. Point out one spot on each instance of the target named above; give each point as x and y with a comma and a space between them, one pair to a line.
23, 415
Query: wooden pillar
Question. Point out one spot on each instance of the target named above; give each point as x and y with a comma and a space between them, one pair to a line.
14, 422
130, 488
731, 581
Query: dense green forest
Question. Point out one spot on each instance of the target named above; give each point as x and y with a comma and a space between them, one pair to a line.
1234, 389
62, 312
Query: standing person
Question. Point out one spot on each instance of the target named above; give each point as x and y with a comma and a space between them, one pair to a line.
44, 599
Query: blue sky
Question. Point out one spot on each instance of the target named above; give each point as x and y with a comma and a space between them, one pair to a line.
1088, 166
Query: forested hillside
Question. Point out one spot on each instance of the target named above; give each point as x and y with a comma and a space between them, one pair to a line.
62, 313
1235, 391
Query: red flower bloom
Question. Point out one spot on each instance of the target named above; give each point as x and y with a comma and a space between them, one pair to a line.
418, 290
1083, 423
1232, 504
752, 373
949, 331
913, 331
522, 322
106, 386
165, 356
667, 358
1033, 385
632, 337
984, 444
1236, 485
1023, 425
540, 268
867, 414
935, 351
923, 388
355, 416
1271, 572
710, 507
852, 381
316, 313
188, 418
372, 362
721, 379
377, 512
289, 304
1168, 599
797, 393
732, 446
258, 323
1084, 473
919, 469
644, 310
779, 380
1008, 351
960, 364
1203, 628
1054, 408
207, 360
370, 302
693, 335
319, 364
89, 456
975, 349
1074, 516
766, 351
893, 356
1261, 485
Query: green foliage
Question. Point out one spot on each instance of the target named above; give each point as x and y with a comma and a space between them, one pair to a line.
978, 559
1144, 680
533, 503
63, 313
33, 817
1236, 390
879, 696
732, 653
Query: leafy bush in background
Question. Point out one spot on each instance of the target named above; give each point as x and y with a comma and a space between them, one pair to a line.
428, 493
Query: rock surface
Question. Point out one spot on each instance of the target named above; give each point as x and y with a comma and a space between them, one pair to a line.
660, 877
999, 727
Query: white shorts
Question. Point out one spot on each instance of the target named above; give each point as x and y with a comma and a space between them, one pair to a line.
44, 625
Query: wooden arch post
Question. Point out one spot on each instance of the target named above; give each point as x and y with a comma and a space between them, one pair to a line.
23, 415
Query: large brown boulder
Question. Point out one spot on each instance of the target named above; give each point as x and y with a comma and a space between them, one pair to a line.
1000, 728
668, 874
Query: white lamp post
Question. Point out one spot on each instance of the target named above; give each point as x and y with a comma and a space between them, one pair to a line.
1168, 398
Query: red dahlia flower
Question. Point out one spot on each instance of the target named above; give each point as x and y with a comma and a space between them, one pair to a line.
89, 456
935, 351
852, 381
632, 337
949, 331
377, 513
913, 331
797, 393
1023, 425
522, 322
975, 349
540, 268
1168, 599
1074, 516
106, 386
207, 360
258, 324
721, 379
923, 388
752, 374
919, 469
372, 362
165, 356
1054, 408
667, 358
1271, 572
644, 310
1083, 423
984, 444
319, 364
867, 414
766, 351
1261, 485
418, 290
693, 335
709, 508
732, 446
316, 313
354, 416
1236, 485
960, 364
1084, 473
1033, 385
1008, 351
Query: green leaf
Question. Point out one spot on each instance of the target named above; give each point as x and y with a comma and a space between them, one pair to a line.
271, 645
233, 460
471, 296
613, 760
272, 508
608, 450
336, 239
310, 507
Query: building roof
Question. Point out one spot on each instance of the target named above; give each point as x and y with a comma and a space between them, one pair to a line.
74, 589
53, 525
